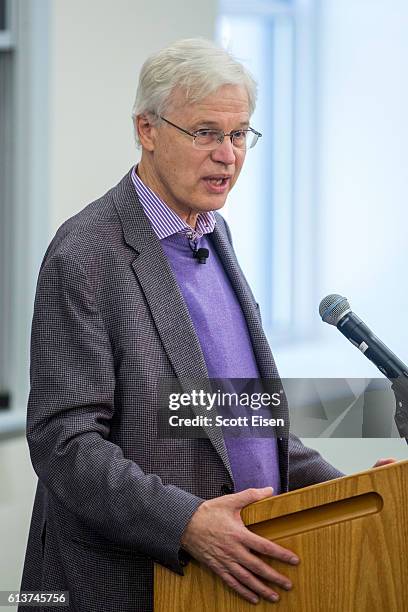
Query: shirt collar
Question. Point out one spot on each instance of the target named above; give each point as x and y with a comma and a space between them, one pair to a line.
164, 220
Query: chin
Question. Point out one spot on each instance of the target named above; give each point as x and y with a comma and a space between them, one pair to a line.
215, 204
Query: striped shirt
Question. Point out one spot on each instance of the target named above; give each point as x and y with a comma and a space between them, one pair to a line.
164, 220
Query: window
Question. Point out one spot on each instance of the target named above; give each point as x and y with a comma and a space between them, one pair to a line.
6, 196
23, 184
272, 210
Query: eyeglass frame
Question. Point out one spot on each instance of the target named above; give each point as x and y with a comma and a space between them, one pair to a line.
230, 134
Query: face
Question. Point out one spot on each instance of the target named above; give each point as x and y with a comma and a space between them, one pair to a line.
191, 180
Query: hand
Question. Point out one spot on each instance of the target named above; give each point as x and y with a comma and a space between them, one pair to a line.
217, 537
381, 462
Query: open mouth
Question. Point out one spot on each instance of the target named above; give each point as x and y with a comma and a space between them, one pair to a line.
217, 181
217, 184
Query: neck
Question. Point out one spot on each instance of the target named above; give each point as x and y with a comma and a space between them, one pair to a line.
147, 175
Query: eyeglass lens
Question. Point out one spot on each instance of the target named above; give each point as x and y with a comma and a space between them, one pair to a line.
212, 138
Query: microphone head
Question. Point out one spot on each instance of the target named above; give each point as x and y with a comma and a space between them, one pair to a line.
333, 307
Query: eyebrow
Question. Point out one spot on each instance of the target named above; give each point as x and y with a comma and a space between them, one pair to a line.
215, 124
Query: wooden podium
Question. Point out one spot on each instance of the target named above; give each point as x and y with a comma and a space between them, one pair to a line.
351, 535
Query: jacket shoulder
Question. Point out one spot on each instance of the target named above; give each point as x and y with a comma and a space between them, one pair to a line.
91, 231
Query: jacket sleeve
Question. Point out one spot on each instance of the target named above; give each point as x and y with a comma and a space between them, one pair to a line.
70, 408
307, 466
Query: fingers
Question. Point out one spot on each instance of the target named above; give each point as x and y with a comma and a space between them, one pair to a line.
386, 461
263, 570
253, 541
234, 584
245, 573
266, 547
249, 581
217, 537
249, 496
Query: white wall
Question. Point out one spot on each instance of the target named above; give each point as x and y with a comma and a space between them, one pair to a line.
363, 192
16, 497
97, 49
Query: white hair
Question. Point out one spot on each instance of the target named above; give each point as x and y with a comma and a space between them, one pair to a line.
196, 65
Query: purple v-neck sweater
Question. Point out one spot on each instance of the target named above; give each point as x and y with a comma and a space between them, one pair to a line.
220, 326
223, 334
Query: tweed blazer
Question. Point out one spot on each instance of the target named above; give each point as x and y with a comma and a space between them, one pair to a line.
112, 497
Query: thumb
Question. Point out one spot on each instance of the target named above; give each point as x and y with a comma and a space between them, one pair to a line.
249, 496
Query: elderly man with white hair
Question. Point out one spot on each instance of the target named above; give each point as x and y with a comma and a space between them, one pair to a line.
123, 302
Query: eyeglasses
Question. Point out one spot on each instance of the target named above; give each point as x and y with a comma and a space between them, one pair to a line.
208, 139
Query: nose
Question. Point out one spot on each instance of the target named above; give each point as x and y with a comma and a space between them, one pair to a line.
224, 153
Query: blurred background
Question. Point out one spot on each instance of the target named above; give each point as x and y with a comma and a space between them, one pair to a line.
326, 186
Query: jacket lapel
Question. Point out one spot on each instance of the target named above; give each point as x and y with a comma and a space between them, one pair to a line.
166, 303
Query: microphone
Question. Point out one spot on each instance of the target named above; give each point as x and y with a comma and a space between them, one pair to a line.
335, 310
201, 255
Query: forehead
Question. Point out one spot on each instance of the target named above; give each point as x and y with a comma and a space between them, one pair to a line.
228, 102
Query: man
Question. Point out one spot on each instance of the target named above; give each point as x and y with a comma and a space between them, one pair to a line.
122, 303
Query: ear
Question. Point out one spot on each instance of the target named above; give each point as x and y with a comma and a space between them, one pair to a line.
146, 131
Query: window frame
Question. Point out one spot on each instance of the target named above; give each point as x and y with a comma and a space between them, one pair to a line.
288, 291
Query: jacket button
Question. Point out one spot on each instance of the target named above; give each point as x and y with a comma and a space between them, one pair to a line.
226, 489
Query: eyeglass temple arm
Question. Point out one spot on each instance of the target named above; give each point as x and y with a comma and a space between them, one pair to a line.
177, 126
